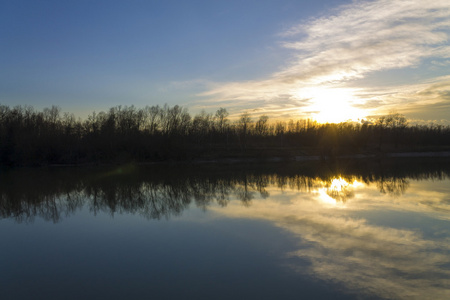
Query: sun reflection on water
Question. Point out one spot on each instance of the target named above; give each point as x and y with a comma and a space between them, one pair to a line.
338, 184
364, 254
338, 191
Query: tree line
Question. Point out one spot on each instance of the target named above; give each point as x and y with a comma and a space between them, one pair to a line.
159, 133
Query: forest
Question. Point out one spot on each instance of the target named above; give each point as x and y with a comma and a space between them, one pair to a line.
29, 137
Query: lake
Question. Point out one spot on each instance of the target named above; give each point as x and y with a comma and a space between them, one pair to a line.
356, 229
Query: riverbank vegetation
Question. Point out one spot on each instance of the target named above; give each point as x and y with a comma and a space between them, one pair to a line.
161, 133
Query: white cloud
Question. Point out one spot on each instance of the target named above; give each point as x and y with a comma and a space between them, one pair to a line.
362, 38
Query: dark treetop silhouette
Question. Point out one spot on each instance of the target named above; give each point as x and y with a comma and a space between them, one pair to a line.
30, 137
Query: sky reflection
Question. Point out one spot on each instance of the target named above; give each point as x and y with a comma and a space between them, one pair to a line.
381, 231
344, 247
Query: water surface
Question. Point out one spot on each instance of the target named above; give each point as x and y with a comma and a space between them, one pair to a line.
341, 230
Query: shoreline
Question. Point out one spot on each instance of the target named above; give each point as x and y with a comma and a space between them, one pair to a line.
273, 159
250, 159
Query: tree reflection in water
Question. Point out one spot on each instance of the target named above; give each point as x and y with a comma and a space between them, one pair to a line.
348, 246
161, 191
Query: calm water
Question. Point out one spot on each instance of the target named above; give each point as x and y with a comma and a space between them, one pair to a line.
347, 230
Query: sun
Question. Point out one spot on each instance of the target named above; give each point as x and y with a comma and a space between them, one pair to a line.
333, 105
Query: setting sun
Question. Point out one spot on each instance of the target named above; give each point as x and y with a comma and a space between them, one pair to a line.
227, 149
333, 105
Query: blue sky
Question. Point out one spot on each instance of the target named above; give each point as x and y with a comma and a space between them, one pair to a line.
330, 60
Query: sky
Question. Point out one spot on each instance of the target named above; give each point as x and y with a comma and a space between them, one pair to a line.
330, 60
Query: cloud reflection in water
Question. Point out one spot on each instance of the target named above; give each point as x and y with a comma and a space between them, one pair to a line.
345, 248
352, 230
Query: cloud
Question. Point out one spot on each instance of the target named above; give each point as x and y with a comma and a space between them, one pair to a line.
356, 40
370, 36
425, 102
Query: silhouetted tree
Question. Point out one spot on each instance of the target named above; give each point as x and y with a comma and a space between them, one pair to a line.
127, 133
244, 126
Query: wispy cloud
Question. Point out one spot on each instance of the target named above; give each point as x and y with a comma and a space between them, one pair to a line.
350, 43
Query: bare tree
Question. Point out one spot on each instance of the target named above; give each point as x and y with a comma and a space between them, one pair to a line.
262, 126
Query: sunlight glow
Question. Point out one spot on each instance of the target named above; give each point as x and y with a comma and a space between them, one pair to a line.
323, 196
338, 184
332, 105
338, 191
